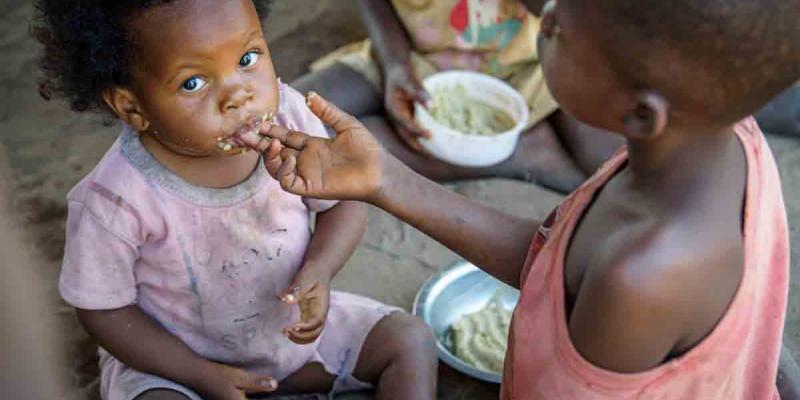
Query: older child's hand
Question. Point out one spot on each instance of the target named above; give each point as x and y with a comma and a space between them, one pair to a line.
351, 166
231, 383
402, 90
313, 295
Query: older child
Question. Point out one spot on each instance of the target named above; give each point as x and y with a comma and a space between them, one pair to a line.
180, 248
666, 275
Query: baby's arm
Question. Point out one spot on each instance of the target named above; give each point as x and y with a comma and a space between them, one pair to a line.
138, 342
354, 166
335, 238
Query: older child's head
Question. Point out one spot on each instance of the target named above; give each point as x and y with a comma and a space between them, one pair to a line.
186, 71
641, 66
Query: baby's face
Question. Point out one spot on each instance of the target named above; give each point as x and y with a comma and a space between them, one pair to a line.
576, 69
204, 73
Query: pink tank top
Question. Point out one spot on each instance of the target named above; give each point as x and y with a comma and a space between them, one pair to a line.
738, 360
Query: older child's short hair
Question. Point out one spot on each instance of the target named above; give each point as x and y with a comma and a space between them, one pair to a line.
725, 57
88, 48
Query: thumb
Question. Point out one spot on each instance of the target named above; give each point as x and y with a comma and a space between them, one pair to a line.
421, 95
255, 383
330, 114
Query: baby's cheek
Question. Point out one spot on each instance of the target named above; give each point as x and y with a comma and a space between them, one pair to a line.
268, 95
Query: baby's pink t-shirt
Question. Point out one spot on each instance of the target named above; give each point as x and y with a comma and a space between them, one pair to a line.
737, 361
206, 264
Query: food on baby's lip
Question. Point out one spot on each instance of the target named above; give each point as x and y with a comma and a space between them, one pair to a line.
233, 143
453, 108
480, 339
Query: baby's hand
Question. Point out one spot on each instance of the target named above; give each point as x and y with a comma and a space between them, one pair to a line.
231, 383
313, 296
351, 166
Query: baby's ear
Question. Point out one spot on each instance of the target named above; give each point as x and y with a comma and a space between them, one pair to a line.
647, 117
125, 104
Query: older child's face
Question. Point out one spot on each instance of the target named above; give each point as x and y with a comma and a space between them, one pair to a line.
577, 72
204, 73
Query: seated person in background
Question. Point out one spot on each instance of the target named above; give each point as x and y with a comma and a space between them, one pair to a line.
378, 81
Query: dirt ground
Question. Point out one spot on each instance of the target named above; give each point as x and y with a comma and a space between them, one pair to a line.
49, 149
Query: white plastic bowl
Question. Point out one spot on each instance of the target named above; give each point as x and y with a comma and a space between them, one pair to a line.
471, 150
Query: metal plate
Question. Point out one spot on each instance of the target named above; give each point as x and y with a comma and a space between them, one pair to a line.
449, 295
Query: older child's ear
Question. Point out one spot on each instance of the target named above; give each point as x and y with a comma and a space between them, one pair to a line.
125, 104
647, 117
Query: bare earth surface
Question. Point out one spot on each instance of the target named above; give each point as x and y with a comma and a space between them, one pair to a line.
50, 148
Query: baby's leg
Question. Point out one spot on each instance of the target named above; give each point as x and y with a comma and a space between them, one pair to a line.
161, 394
399, 357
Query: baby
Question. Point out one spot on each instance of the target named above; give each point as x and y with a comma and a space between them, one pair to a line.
191, 267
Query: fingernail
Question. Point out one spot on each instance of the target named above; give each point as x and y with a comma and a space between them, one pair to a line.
310, 96
270, 384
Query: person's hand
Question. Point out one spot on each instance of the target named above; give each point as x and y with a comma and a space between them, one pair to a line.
230, 383
352, 166
312, 293
402, 89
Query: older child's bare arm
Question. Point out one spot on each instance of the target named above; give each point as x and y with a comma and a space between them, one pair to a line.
354, 166
137, 341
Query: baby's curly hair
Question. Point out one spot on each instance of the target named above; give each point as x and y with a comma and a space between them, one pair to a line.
88, 48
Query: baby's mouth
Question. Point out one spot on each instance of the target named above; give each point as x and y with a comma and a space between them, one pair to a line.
230, 142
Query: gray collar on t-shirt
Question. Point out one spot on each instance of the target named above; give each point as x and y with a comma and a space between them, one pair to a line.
157, 174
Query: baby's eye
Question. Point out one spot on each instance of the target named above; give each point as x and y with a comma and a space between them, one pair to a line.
248, 59
194, 84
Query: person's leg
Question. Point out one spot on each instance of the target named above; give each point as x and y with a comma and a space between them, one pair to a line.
399, 357
539, 158
161, 394
343, 86
589, 147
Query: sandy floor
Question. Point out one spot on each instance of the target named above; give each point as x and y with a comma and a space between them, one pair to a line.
49, 149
